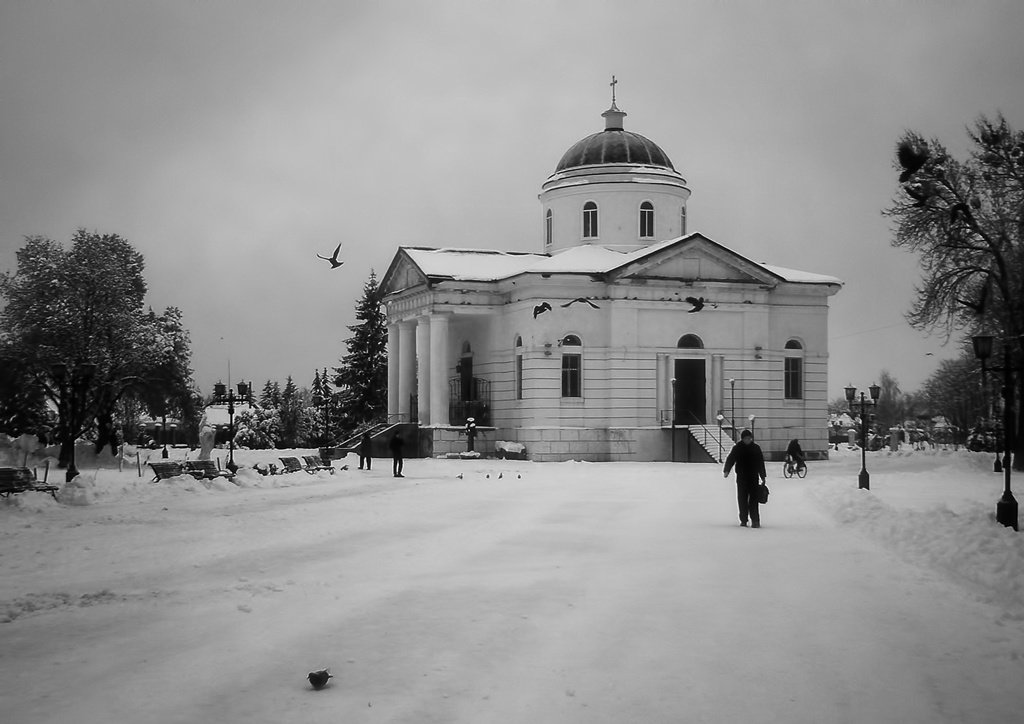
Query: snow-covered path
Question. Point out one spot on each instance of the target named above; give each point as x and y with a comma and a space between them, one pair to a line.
576, 593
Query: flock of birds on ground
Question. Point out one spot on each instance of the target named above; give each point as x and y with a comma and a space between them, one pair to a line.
697, 303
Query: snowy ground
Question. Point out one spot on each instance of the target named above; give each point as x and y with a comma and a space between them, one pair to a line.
522, 592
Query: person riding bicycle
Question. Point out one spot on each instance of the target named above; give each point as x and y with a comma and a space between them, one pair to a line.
796, 454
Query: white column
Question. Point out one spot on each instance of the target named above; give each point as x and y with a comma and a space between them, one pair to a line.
423, 368
406, 367
438, 369
394, 354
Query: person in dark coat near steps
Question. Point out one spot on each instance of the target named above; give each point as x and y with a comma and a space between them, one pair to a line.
397, 445
365, 451
748, 459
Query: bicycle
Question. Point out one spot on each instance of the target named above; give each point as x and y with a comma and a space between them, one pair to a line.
790, 468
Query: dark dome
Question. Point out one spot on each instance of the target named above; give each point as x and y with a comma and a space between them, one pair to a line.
614, 146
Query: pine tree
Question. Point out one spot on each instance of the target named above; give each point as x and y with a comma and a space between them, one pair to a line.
290, 415
362, 374
271, 395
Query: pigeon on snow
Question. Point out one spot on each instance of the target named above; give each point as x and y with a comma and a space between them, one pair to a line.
319, 678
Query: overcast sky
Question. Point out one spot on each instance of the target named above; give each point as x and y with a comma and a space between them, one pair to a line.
230, 141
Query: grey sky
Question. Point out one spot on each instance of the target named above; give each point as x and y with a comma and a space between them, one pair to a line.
231, 141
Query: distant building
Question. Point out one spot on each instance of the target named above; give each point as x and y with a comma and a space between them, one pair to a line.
588, 349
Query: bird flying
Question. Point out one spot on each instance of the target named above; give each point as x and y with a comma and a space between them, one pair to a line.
540, 309
581, 299
333, 258
319, 678
697, 302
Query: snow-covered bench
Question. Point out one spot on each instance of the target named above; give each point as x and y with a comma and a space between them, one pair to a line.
167, 469
510, 450
206, 469
314, 463
292, 465
20, 480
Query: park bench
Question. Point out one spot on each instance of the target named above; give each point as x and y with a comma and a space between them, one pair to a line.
167, 469
206, 469
314, 463
292, 465
19, 480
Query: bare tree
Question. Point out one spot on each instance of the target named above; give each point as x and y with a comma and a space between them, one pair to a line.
965, 219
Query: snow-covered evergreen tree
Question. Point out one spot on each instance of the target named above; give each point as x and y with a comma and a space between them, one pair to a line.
363, 373
291, 415
258, 428
271, 396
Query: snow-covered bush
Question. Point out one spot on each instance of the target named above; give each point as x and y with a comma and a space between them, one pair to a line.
258, 428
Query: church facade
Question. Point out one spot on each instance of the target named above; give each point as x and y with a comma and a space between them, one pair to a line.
624, 337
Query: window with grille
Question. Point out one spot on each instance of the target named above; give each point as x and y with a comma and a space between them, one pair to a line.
572, 366
646, 220
793, 372
589, 220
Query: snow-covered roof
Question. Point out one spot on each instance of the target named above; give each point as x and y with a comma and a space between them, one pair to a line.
471, 264
795, 275
488, 265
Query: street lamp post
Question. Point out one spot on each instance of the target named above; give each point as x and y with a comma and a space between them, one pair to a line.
721, 418
163, 435
851, 395
673, 419
1006, 508
983, 350
732, 409
752, 419
231, 432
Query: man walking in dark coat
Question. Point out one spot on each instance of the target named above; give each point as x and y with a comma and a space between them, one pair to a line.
746, 455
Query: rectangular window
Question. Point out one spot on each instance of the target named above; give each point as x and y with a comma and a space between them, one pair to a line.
519, 376
793, 378
572, 365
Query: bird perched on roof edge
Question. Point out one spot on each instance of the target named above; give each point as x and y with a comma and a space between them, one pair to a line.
581, 299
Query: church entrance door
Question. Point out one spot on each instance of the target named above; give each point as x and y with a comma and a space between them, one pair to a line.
691, 401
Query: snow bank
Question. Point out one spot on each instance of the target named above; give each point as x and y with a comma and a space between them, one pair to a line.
966, 544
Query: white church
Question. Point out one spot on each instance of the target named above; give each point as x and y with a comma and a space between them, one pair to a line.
588, 348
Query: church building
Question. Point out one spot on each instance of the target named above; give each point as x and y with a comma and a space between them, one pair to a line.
624, 336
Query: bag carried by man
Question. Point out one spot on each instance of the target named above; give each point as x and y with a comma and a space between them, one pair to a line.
762, 493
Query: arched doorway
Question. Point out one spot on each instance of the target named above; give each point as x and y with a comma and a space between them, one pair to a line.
690, 403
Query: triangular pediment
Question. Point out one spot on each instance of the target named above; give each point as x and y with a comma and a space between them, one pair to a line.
403, 274
695, 258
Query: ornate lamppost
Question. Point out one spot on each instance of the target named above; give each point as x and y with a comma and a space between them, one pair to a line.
721, 418
752, 419
231, 432
1006, 508
983, 350
851, 395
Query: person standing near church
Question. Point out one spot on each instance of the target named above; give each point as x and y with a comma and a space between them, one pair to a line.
748, 459
365, 450
397, 446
